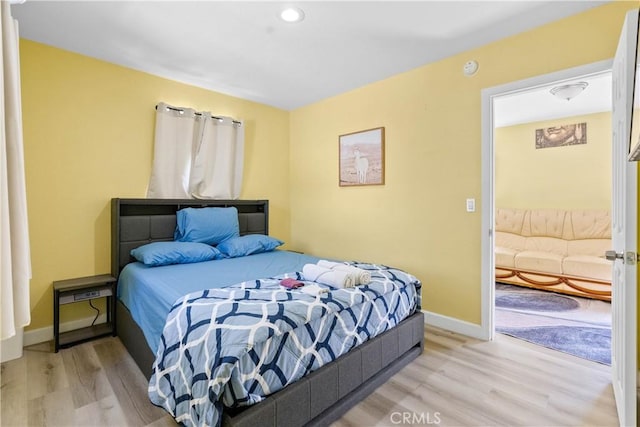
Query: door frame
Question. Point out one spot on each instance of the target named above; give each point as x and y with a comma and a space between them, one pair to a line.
487, 326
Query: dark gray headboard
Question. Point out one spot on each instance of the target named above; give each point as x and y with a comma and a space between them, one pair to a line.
135, 222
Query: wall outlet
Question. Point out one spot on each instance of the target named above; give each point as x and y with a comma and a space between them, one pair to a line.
471, 205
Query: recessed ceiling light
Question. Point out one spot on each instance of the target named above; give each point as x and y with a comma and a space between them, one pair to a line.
292, 14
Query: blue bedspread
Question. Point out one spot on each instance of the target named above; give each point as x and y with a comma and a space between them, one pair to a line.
150, 292
233, 346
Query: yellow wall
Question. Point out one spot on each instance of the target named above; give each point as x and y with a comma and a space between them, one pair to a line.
571, 177
88, 128
88, 137
431, 115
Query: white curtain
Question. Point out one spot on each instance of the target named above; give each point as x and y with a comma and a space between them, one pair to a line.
15, 260
196, 155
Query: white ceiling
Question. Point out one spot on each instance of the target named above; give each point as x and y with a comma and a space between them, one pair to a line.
538, 104
243, 49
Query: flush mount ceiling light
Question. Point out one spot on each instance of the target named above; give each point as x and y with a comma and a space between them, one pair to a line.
569, 91
292, 14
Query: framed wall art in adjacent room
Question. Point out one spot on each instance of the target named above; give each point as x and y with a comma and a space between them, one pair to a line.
560, 136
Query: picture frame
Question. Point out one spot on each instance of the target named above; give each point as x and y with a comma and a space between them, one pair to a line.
561, 136
361, 158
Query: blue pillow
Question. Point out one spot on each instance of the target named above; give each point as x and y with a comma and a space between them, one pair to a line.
247, 245
206, 225
165, 253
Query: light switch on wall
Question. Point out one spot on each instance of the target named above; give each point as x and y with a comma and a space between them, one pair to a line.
471, 205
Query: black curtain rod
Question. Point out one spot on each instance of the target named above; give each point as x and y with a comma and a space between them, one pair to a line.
198, 114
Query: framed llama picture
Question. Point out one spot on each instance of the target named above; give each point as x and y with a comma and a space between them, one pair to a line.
361, 158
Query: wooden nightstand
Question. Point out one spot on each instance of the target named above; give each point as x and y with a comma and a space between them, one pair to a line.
79, 290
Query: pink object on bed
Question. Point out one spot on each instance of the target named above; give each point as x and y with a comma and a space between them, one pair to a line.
291, 283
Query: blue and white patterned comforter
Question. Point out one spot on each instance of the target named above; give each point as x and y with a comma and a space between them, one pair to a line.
233, 346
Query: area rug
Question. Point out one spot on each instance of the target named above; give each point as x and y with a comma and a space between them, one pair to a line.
573, 325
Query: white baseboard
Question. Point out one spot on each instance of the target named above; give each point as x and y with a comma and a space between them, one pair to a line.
36, 336
454, 325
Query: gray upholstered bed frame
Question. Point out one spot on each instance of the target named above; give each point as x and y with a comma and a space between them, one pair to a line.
317, 399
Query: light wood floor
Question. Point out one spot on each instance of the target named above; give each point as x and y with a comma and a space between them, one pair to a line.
457, 381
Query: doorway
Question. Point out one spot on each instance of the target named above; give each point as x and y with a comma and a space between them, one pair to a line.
489, 97
552, 151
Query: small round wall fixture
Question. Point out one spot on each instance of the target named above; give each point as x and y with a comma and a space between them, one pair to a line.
470, 68
292, 15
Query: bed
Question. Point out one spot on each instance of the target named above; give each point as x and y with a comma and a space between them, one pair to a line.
319, 396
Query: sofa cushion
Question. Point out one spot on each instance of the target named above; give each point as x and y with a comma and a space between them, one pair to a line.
546, 262
587, 266
546, 244
546, 223
505, 257
510, 240
590, 224
592, 247
510, 220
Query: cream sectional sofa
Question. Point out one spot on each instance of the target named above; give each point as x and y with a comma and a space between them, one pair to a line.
557, 250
